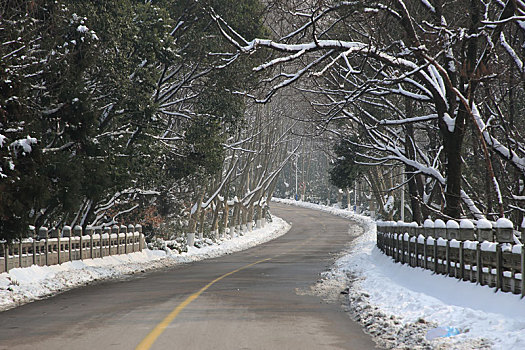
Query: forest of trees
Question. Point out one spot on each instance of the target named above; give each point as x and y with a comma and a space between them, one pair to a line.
123, 111
433, 86
186, 112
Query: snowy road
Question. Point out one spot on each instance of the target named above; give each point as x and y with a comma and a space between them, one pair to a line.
259, 303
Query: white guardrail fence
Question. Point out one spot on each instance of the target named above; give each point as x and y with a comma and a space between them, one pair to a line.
58, 246
486, 254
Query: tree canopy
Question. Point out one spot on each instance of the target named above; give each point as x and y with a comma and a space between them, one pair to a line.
107, 107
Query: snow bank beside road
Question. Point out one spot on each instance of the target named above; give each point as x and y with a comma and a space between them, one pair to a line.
23, 285
398, 304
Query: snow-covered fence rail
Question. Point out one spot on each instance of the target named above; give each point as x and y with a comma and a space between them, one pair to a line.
459, 250
55, 247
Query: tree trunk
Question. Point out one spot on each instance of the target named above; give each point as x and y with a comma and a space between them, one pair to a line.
244, 219
413, 192
258, 217
250, 217
225, 217
201, 224
215, 221
235, 219
453, 171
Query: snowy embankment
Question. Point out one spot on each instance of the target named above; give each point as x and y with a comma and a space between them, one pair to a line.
22, 285
399, 305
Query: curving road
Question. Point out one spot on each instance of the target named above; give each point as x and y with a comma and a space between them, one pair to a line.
247, 300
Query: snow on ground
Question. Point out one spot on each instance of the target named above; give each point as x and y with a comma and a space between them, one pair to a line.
398, 304
22, 285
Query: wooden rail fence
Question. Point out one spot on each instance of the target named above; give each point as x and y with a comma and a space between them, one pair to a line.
70, 244
496, 264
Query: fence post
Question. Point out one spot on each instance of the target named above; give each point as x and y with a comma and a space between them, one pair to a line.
402, 235
391, 244
47, 249
115, 229
108, 231
447, 257
42, 233
131, 229
78, 233
440, 229
33, 245
396, 247
452, 230
138, 227
101, 241
399, 247
499, 270
416, 249
124, 228
429, 228
461, 262
20, 252
435, 255
59, 244
70, 245
408, 251
522, 271
66, 232
484, 229
479, 268
89, 232
425, 263
34, 250
504, 231
466, 230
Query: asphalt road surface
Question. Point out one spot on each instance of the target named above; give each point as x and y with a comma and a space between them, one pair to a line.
247, 300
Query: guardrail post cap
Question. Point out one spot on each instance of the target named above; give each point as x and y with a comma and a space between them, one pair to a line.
66, 231
77, 230
42, 232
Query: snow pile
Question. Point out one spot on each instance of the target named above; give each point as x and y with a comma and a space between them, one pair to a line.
22, 285
398, 304
416, 295
483, 224
439, 224
452, 224
504, 223
428, 223
465, 223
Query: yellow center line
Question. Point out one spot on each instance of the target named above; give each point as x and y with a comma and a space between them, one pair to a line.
150, 339
147, 342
